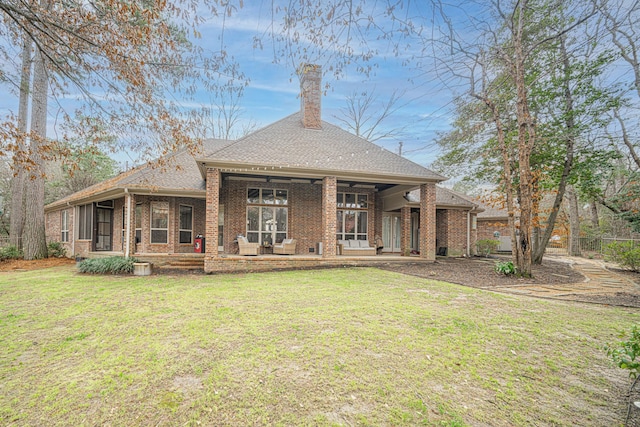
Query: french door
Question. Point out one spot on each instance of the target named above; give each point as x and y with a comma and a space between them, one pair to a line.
391, 230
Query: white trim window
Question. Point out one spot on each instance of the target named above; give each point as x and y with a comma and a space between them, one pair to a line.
85, 222
159, 229
64, 226
352, 216
186, 224
267, 215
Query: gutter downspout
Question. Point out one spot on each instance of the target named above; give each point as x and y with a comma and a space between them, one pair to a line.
128, 227
468, 233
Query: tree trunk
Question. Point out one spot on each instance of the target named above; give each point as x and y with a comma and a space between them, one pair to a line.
526, 139
574, 222
595, 220
16, 223
570, 124
34, 239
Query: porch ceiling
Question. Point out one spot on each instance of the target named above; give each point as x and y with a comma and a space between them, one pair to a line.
379, 186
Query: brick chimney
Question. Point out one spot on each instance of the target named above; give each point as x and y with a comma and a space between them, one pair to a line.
310, 95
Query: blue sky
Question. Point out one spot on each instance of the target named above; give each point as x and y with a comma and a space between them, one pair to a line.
272, 91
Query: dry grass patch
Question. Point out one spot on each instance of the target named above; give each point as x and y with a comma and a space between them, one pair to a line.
329, 347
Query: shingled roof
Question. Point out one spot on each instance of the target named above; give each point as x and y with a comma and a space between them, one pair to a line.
287, 144
447, 198
176, 172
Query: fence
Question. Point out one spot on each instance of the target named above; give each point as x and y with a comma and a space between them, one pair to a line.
588, 245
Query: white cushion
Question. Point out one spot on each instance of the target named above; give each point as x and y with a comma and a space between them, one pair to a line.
344, 243
287, 241
364, 244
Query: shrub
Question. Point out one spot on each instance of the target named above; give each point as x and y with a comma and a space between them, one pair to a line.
505, 267
625, 353
624, 254
487, 246
10, 252
56, 250
111, 265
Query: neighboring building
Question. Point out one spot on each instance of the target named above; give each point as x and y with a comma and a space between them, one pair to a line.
299, 178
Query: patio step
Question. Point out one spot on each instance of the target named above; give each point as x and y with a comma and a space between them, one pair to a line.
183, 264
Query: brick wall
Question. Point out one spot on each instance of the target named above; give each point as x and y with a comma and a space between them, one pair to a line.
53, 228
305, 216
487, 227
457, 232
452, 231
442, 228
305, 212
173, 244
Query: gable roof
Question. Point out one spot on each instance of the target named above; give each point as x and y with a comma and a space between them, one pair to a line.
176, 173
286, 146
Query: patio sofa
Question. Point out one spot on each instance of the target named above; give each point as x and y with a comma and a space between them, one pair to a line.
287, 247
356, 247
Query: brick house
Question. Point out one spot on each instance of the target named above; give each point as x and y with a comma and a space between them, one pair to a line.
299, 178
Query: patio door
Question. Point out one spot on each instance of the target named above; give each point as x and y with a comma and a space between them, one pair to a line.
104, 229
391, 232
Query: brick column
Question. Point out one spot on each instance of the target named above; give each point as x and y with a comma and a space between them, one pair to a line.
212, 209
329, 207
130, 224
405, 231
428, 221
378, 215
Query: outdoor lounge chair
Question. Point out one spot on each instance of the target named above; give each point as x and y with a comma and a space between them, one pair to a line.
287, 247
248, 248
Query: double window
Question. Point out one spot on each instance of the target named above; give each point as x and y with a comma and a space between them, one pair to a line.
159, 222
85, 222
186, 224
267, 215
352, 216
64, 226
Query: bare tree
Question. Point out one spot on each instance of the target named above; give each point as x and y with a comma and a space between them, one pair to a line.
366, 116
223, 118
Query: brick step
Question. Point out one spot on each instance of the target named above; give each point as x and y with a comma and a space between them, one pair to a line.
182, 264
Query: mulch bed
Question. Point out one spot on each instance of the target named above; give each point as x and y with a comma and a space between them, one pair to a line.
36, 264
478, 272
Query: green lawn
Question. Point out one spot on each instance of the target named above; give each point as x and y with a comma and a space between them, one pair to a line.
327, 347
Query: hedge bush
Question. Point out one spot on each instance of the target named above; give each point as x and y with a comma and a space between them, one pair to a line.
10, 252
624, 254
110, 265
56, 250
487, 246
